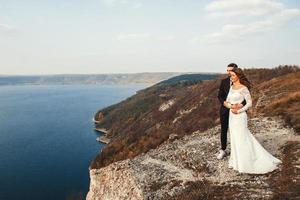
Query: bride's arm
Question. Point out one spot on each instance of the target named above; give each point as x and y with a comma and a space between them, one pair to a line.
246, 93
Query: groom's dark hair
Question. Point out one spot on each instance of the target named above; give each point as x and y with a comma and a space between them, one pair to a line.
232, 65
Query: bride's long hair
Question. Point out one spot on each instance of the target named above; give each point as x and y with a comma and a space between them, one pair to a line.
243, 79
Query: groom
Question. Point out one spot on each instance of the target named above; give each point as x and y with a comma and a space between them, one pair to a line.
224, 112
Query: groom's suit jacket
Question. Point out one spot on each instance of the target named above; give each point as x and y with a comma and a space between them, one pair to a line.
222, 95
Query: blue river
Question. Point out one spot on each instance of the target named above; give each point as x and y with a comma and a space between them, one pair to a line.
47, 138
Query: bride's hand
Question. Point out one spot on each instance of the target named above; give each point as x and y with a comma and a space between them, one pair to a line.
234, 111
237, 106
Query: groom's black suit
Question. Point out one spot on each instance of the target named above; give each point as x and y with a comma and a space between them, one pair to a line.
224, 112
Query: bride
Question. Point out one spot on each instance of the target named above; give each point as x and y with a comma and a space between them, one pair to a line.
247, 155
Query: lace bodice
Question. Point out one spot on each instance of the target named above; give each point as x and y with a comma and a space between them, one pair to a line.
238, 95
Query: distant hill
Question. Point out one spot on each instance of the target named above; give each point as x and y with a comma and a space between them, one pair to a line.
122, 78
188, 78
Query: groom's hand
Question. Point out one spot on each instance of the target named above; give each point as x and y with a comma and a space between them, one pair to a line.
227, 104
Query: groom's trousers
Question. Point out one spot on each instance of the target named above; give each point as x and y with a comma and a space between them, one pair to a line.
224, 118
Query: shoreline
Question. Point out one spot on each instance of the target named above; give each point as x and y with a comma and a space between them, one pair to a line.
102, 130
103, 139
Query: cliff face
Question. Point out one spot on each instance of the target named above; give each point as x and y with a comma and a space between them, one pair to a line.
167, 148
117, 181
187, 168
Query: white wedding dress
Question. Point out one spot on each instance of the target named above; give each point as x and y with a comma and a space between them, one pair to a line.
247, 154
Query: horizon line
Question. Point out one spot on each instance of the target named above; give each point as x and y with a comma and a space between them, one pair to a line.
69, 74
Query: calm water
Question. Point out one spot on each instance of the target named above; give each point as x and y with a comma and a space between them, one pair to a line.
47, 139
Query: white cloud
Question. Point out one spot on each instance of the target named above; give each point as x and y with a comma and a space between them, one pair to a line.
133, 36
131, 3
166, 38
230, 8
137, 5
108, 2
6, 29
143, 36
276, 15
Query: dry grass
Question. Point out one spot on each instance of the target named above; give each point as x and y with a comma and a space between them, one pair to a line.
286, 183
284, 99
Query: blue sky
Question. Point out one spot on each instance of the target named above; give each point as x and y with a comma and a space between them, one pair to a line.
128, 36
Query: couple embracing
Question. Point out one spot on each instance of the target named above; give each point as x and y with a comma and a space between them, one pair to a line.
247, 155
